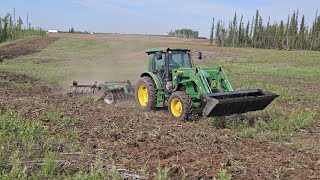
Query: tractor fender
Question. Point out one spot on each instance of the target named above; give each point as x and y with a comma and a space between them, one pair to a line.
155, 79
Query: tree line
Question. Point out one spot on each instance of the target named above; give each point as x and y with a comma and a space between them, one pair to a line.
72, 30
184, 33
11, 29
292, 34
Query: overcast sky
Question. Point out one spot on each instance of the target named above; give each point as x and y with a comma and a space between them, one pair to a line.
149, 16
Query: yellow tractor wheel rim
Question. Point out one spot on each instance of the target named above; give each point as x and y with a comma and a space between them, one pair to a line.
143, 95
176, 107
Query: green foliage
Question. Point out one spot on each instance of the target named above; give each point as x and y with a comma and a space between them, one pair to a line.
14, 127
276, 126
23, 140
184, 33
223, 175
17, 171
15, 133
212, 32
162, 174
10, 30
277, 36
71, 30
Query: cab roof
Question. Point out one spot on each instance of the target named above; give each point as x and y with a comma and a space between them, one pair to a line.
165, 50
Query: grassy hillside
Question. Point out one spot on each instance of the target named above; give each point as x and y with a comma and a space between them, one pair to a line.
267, 143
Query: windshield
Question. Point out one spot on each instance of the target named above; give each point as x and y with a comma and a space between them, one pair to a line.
176, 59
179, 59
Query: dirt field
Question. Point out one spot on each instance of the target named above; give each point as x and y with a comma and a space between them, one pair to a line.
150, 144
25, 47
134, 38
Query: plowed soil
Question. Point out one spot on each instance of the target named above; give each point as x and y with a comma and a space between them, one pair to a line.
138, 140
134, 38
25, 47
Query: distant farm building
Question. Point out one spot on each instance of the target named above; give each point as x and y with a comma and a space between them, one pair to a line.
52, 31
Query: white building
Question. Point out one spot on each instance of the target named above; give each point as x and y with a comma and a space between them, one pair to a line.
52, 31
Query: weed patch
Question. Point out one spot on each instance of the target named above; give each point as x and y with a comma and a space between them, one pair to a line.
271, 125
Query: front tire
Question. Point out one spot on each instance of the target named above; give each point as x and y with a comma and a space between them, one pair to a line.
180, 106
146, 93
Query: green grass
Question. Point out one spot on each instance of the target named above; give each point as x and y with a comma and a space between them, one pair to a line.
223, 175
14, 127
24, 140
84, 60
274, 124
27, 36
17, 85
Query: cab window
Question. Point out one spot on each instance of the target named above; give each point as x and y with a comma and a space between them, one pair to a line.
179, 58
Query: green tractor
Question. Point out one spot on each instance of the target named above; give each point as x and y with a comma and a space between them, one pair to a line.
173, 81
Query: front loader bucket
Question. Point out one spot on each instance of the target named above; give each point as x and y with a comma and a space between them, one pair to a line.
236, 102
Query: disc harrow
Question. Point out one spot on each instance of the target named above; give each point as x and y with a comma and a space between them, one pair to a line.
77, 89
108, 92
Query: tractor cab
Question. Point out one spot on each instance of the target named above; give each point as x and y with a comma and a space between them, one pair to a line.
174, 58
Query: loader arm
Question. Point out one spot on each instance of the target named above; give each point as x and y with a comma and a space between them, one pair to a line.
199, 81
212, 87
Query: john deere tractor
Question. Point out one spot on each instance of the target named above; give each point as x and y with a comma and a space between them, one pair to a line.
172, 80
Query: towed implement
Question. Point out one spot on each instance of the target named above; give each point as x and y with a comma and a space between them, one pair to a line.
172, 80
109, 92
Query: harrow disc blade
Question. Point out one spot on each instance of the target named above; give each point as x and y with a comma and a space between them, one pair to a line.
236, 102
113, 97
81, 90
110, 98
77, 89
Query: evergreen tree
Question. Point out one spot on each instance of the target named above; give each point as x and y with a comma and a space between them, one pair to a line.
218, 34
291, 35
19, 23
316, 37
247, 38
256, 27
5, 27
72, 30
280, 36
234, 30
251, 33
302, 34
260, 33
293, 30
241, 33
212, 32
287, 34
0, 28
223, 34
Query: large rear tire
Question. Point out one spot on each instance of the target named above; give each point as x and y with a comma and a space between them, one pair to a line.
146, 93
180, 106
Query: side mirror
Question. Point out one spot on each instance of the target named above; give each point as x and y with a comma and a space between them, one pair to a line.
158, 55
199, 55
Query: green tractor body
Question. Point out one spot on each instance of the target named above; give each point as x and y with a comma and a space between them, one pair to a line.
172, 78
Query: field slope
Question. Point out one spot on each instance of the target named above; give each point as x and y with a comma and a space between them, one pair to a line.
46, 134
